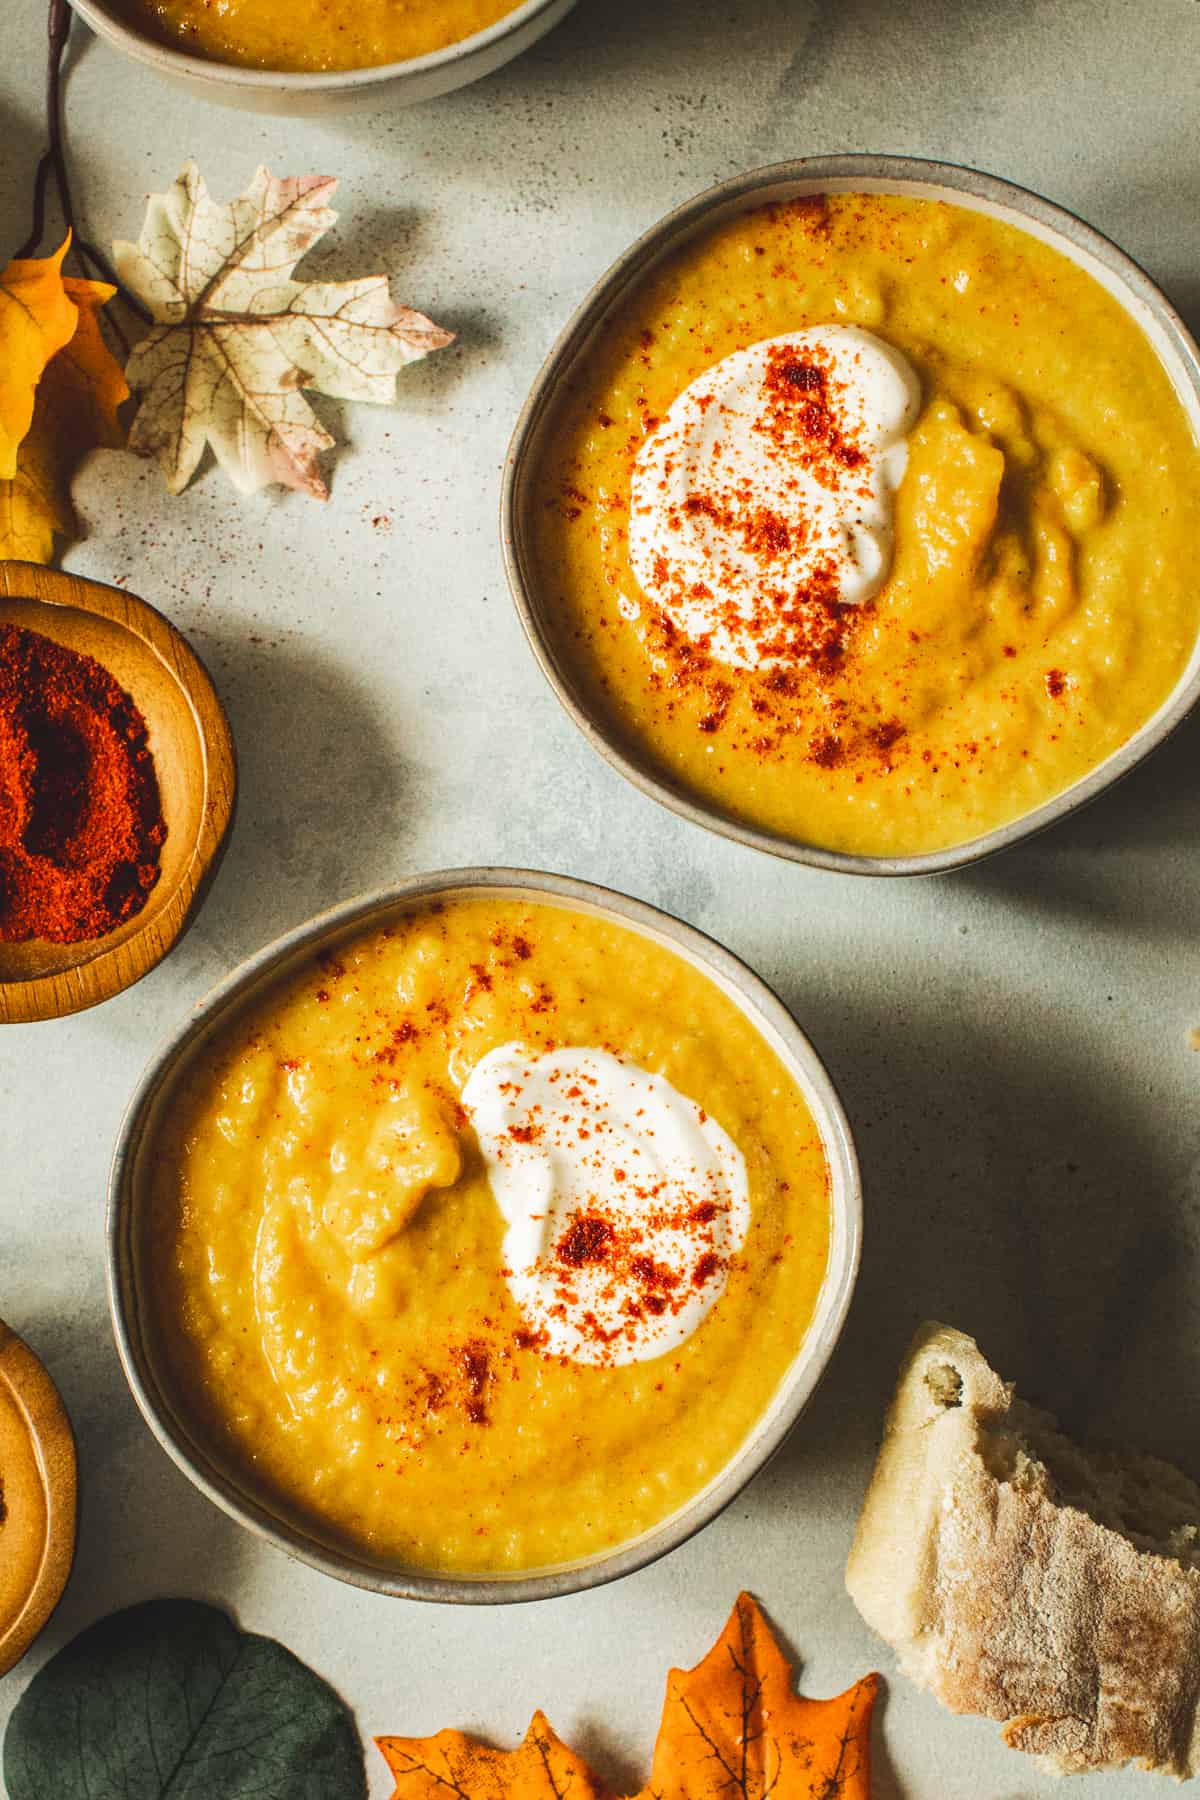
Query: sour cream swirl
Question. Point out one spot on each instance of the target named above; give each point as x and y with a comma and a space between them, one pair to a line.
769, 489
624, 1200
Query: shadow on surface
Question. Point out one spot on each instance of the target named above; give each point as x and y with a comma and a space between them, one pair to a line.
325, 799
367, 238
1014, 1187
595, 56
23, 133
601, 1747
885, 1783
1184, 292
1082, 868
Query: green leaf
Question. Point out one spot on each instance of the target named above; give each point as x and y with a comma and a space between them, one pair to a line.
171, 1699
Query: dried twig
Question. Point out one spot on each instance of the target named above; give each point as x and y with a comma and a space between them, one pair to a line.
54, 163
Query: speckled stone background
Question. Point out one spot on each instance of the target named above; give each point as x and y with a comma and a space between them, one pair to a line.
1011, 1043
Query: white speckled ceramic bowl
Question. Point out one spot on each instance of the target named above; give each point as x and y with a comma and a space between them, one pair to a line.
166, 1411
282, 91
521, 497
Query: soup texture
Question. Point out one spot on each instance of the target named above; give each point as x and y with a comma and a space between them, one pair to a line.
1041, 603
308, 36
326, 1257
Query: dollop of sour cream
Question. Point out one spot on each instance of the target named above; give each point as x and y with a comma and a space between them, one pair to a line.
768, 489
624, 1200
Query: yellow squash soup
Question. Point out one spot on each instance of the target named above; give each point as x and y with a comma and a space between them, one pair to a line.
336, 1295
1041, 602
307, 36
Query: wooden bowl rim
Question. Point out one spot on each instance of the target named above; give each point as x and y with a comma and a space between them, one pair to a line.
38, 1401
100, 976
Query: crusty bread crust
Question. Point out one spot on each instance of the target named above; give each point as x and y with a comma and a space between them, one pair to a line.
1005, 1597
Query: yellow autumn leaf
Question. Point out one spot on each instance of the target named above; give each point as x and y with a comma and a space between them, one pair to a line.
36, 319
33, 507
75, 411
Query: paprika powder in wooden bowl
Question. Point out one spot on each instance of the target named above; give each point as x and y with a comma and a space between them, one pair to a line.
117, 787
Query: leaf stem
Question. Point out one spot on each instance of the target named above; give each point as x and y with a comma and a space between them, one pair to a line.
54, 162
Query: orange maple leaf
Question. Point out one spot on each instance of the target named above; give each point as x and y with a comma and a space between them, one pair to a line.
75, 410
731, 1727
452, 1764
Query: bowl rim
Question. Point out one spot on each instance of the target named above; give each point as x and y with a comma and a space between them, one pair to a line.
100, 974
766, 1012
953, 182
99, 17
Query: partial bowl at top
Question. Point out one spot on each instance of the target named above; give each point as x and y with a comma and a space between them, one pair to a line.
296, 92
190, 741
1039, 631
482, 1238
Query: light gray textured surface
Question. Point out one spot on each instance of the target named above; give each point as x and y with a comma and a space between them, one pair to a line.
1011, 1044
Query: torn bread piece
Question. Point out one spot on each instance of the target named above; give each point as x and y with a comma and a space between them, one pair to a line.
1018, 1576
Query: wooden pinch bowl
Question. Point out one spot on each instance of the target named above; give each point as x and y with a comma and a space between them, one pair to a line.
37, 1497
192, 747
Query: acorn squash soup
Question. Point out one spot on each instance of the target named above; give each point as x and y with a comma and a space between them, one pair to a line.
483, 1241
867, 520
309, 36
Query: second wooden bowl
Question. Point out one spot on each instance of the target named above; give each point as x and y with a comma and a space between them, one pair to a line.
193, 758
37, 1497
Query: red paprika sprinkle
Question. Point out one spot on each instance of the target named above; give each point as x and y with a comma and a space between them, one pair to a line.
81, 825
800, 417
586, 1240
477, 1372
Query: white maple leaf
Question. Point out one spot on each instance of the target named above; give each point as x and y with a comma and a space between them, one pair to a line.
235, 338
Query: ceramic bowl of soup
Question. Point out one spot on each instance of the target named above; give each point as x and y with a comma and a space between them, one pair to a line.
481, 1239
851, 516
302, 56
